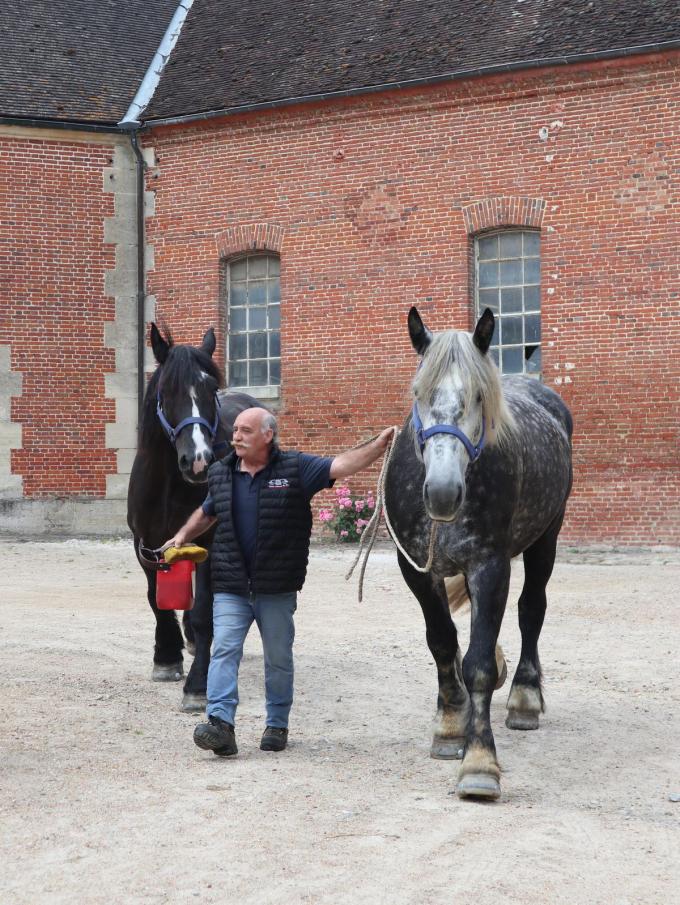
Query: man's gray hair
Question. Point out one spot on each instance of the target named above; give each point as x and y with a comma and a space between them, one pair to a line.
269, 422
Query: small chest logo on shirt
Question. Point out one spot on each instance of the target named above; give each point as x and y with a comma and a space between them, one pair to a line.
278, 482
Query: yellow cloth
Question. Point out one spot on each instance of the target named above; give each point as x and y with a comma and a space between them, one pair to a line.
188, 551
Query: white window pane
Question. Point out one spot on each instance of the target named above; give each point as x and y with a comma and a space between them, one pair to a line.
238, 295
274, 292
532, 298
511, 245
237, 346
488, 298
532, 328
488, 275
257, 318
257, 266
237, 319
511, 273
532, 270
257, 293
533, 359
532, 244
258, 373
274, 317
257, 345
512, 359
487, 247
511, 330
238, 270
511, 300
238, 373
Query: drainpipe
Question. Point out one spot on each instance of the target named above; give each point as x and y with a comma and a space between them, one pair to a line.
141, 272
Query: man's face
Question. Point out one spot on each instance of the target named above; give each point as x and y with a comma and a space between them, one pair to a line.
249, 440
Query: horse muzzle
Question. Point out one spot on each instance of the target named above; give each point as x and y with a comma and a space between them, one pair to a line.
194, 468
442, 501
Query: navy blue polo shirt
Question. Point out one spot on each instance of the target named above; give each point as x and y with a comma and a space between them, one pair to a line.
314, 476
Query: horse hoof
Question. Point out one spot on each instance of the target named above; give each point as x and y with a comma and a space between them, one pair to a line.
447, 748
191, 648
168, 672
194, 703
479, 785
518, 719
500, 682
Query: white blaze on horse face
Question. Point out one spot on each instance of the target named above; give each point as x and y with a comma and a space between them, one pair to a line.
202, 450
445, 457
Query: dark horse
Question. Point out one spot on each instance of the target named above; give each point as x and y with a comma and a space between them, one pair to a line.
485, 462
186, 423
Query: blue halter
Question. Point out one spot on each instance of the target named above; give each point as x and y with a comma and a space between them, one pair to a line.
173, 432
422, 435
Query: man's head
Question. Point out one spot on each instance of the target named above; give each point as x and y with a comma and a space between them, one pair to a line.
255, 432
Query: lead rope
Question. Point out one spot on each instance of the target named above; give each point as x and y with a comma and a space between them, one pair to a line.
370, 532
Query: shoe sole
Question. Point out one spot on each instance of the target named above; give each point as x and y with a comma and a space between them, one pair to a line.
272, 746
208, 744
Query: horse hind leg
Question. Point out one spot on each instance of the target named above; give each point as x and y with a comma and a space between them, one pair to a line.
525, 701
451, 718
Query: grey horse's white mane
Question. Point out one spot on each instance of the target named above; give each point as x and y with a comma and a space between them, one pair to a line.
478, 373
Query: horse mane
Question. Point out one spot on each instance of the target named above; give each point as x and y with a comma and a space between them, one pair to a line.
478, 373
181, 363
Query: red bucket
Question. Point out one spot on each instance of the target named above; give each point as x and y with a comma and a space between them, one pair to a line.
174, 586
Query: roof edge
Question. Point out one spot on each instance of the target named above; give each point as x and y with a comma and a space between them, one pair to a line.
456, 75
152, 77
79, 125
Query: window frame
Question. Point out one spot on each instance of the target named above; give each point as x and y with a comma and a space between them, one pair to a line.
529, 312
268, 391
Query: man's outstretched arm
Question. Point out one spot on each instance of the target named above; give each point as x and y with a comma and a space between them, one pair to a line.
354, 460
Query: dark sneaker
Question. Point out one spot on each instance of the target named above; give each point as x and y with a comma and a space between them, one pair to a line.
274, 739
216, 735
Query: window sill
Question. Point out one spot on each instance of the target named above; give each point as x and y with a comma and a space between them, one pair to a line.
270, 394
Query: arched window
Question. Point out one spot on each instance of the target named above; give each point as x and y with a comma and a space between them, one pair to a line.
254, 323
507, 280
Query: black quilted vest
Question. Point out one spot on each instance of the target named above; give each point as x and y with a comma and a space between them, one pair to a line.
284, 527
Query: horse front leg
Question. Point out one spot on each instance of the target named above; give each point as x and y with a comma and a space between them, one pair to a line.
201, 617
488, 584
167, 655
442, 639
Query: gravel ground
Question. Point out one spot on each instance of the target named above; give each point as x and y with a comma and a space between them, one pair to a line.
105, 798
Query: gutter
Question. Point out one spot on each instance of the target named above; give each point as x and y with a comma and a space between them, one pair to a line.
458, 75
72, 125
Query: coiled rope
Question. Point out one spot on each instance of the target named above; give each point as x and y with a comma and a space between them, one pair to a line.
370, 532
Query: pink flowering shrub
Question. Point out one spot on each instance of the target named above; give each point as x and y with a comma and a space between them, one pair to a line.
349, 514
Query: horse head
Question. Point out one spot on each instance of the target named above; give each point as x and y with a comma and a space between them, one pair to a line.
186, 401
456, 395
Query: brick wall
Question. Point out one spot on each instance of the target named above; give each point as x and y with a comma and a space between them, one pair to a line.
371, 202
53, 309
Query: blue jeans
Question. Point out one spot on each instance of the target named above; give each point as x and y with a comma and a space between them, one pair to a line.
232, 617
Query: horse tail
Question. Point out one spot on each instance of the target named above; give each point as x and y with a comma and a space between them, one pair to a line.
456, 592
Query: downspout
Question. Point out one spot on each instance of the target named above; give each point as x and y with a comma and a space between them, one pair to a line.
131, 122
141, 272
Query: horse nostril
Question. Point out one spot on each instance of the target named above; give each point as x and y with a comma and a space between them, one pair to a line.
184, 462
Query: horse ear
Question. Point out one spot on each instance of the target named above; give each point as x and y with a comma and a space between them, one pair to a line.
420, 335
208, 344
159, 345
484, 331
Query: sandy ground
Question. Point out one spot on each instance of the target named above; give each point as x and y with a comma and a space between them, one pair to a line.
105, 798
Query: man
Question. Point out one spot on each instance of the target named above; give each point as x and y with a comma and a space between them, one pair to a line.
259, 496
